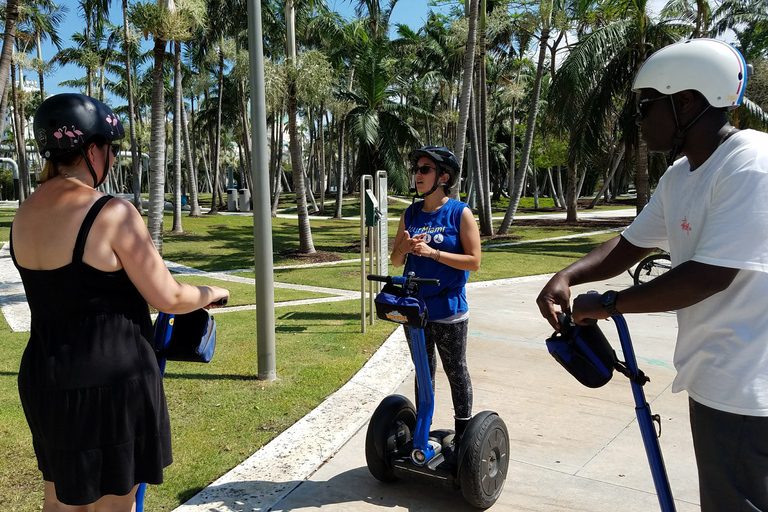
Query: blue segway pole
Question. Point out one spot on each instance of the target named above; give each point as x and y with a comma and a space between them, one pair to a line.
645, 420
163, 329
422, 450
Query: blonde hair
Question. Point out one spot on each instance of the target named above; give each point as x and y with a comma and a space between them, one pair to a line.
50, 170
51, 166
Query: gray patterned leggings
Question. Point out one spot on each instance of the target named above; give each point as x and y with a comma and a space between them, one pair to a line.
451, 341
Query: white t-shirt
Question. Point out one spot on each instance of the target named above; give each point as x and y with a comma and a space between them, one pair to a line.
718, 215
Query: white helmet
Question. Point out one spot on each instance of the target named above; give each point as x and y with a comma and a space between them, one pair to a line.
714, 68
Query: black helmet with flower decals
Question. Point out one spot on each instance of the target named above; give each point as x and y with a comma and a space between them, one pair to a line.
65, 123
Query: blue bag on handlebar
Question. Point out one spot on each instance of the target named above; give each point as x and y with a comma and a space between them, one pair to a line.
187, 337
584, 351
395, 304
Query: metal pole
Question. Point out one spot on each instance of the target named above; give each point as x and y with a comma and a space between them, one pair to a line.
371, 284
262, 216
363, 180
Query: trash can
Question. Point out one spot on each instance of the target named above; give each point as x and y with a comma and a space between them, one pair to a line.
245, 200
231, 199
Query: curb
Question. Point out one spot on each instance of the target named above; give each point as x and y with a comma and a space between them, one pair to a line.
275, 470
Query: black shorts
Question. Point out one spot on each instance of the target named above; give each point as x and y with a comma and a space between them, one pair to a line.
732, 459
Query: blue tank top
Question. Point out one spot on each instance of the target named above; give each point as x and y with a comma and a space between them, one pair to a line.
442, 230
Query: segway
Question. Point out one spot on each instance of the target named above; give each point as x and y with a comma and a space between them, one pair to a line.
163, 330
399, 444
587, 355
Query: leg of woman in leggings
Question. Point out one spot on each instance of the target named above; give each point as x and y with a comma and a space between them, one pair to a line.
451, 341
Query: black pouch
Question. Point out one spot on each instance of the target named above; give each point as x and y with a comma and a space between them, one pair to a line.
394, 304
187, 337
584, 351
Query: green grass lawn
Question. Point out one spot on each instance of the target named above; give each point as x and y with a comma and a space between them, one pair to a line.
220, 412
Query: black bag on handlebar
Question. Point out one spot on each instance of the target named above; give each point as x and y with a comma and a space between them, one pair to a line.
584, 352
395, 304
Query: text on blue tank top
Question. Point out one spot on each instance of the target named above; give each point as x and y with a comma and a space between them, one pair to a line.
442, 228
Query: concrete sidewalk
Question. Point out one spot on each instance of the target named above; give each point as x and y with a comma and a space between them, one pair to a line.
573, 448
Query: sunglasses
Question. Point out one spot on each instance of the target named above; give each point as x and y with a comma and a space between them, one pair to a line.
424, 169
642, 105
115, 148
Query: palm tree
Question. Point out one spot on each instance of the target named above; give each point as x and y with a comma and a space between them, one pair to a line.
165, 23
128, 45
379, 123
545, 18
6, 55
593, 87
42, 20
94, 12
466, 89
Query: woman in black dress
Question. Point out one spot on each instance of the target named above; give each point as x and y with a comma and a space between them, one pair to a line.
89, 380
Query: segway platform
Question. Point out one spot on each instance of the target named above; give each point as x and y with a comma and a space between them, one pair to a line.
398, 443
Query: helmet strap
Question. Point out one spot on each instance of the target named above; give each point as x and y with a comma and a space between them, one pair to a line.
106, 170
677, 142
90, 168
434, 187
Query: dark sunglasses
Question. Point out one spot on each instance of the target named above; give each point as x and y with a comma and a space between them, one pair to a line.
642, 105
424, 169
115, 149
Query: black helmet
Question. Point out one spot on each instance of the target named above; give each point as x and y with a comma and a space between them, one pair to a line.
446, 162
65, 122
444, 158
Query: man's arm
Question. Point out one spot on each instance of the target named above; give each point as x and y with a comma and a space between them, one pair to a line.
685, 285
606, 261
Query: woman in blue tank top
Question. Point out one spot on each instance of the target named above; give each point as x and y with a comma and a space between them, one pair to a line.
438, 238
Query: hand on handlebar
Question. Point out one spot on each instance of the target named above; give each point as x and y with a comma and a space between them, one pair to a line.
587, 309
556, 292
221, 301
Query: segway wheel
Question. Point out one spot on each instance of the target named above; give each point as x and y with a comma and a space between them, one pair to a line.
391, 427
484, 466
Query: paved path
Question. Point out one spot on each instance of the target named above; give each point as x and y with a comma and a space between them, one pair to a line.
573, 448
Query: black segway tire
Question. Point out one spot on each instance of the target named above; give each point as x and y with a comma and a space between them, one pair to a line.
391, 426
484, 461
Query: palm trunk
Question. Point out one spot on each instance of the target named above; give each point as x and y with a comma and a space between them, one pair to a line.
321, 159
466, 88
157, 150
306, 245
340, 171
6, 55
533, 110
246, 145
135, 161
572, 193
177, 106
194, 201
11, 17
217, 136
19, 139
615, 159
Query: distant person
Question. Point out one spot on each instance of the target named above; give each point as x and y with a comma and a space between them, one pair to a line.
709, 210
438, 238
89, 380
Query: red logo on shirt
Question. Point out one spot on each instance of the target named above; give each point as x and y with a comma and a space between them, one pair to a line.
686, 226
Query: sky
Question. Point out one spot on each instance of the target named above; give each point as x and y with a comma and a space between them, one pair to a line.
409, 12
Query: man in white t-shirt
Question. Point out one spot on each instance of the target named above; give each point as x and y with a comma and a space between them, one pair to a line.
710, 210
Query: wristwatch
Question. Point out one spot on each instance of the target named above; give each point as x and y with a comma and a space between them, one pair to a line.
608, 301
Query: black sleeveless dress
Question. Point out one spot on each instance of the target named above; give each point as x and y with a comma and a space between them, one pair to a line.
89, 381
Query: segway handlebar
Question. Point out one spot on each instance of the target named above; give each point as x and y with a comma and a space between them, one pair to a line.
404, 280
221, 302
